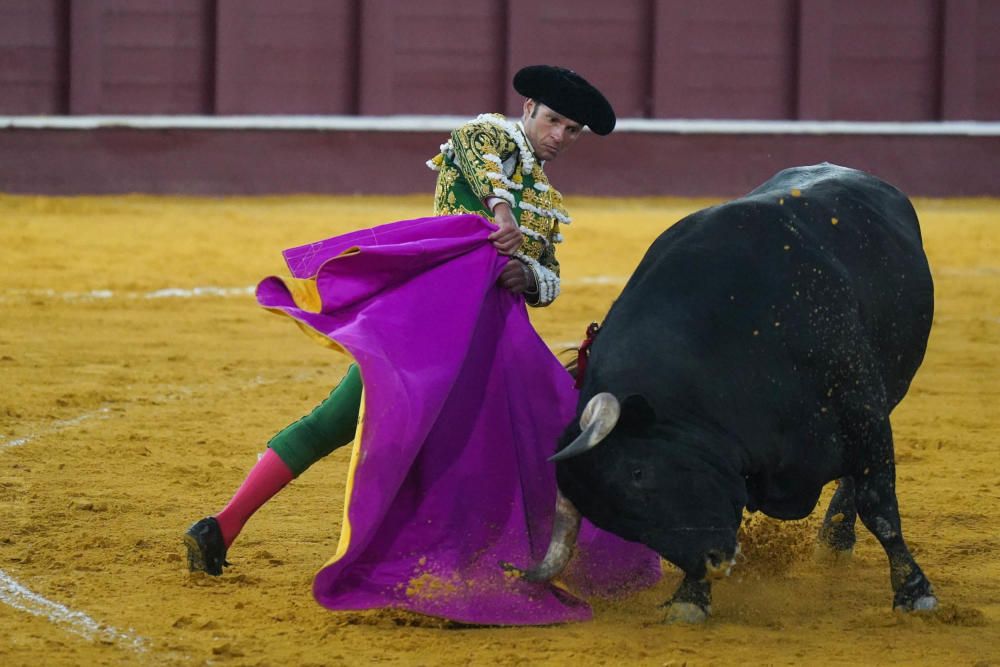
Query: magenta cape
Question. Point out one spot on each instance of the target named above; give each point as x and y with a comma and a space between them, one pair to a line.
463, 403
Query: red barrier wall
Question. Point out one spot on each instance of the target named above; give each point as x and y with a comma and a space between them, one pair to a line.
852, 60
277, 161
906, 60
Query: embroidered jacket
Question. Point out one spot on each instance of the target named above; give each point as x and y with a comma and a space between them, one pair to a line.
490, 157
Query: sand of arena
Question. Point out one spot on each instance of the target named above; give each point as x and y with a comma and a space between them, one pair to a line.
140, 381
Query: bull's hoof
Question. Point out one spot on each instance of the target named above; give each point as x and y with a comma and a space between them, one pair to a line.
686, 612
923, 603
836, 535
824, 553
916, 594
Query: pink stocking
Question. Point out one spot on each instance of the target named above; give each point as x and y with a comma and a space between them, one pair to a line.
269, 476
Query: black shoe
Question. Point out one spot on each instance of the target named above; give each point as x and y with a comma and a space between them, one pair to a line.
206, 549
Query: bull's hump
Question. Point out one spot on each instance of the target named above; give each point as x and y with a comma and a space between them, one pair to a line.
807, 178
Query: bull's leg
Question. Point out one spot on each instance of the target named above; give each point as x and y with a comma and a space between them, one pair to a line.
879, 511
837, 532
691, 603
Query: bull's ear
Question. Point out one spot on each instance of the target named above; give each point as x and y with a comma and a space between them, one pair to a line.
637, 414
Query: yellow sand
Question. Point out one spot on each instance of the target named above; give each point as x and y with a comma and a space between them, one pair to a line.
138, 415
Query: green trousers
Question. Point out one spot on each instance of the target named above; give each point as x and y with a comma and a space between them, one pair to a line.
329, 426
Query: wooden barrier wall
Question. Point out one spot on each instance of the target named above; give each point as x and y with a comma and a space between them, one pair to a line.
904, 60
780, 60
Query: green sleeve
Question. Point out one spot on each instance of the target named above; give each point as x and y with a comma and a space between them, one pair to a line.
480, 149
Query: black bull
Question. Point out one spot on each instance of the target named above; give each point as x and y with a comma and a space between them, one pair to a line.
753, 357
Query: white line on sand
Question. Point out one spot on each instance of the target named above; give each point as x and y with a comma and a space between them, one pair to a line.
21, 598
180, 293
54, 427
962, 271
106, 294
217, 291
595, 280
180, 393
212, 290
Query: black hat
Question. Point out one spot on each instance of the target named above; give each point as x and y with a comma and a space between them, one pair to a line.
567, 93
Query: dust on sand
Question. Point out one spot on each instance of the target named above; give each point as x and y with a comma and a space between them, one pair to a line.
140, 382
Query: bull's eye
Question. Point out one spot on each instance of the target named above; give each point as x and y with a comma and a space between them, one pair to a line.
637, 475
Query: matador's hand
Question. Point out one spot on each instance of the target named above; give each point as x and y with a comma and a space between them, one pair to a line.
517, 277
508, 238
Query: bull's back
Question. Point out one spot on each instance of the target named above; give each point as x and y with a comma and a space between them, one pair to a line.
867, 231
816, 257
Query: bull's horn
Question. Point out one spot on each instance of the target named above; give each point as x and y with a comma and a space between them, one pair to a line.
597, 420
565, 528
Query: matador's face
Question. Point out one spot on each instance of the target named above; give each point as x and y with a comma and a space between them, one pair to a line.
549, 132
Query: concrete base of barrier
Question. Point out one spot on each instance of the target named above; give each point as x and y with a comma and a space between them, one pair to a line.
690, 160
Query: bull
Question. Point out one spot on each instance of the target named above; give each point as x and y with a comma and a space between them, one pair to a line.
754, 356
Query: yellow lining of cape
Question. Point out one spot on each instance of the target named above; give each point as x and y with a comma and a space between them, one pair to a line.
345, 527
306, 296
304, 293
